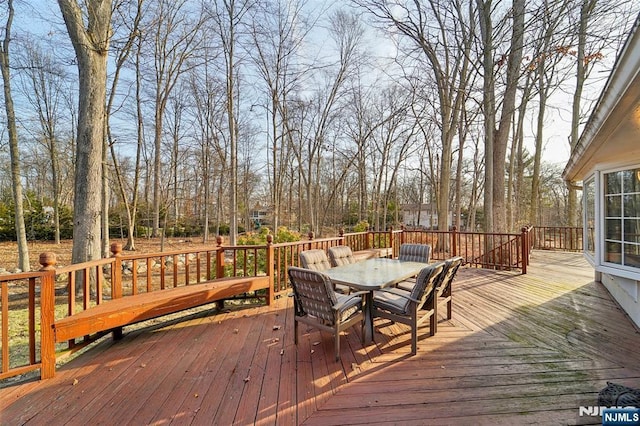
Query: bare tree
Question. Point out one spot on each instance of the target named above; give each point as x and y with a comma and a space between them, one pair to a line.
175, 38
228, 20
21, 234
360, 124
123, 52
278, 31
317, 115
207, 90
600, 25
498, 127
550, 48
440, 32
392, 143
89, 29
43, 89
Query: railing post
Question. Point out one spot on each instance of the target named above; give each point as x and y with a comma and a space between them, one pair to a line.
391, 238
311, 235
47, 315
454, 247
271, 270
341, 235
116, 281
116, 271
219, 257
367, 244
525, 249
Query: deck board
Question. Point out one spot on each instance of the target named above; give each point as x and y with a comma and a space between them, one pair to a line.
519, 349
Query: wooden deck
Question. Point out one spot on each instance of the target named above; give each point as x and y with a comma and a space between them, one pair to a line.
520, 349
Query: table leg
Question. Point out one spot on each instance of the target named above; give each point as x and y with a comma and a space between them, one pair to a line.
368, 318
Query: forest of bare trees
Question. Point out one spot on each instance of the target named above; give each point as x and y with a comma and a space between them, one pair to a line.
132, 118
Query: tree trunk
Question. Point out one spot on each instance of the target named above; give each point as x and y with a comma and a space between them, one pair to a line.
91, 45
585, 12
489, 110
21, 233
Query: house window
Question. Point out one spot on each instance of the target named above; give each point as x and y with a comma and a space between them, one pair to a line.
622, 217
589, 189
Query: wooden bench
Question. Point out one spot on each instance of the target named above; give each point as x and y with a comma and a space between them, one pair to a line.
373, 253
116, 313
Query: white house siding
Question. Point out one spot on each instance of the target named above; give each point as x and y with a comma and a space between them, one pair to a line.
625, 291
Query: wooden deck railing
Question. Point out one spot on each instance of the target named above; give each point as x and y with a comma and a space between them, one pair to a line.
564, 238
20, 289
288, 254
55, 293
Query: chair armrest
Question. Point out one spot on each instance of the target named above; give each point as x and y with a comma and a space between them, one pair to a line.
404, 296
340, 305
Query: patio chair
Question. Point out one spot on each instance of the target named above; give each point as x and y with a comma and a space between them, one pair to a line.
317, 304
444, 290
341, 255
415, 252
316, 260
406, 307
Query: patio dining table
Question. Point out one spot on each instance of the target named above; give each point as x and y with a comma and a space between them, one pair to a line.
373, 274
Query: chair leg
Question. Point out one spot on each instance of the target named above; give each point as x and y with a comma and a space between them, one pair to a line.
414, 337
295, 331
433, 321
449, 306
337, 344
414, 330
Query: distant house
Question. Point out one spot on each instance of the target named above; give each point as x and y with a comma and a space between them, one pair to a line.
258, 216
421, 215
607, 161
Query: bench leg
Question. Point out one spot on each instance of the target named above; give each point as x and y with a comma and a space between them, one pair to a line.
117, 333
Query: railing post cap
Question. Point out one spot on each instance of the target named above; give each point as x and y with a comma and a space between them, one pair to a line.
311, 235
269, 238
219, 240
116, 248
47, 260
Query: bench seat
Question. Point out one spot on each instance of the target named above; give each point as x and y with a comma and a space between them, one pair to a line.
113, 314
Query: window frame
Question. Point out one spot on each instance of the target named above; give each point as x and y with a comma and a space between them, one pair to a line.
621, 269
586, 208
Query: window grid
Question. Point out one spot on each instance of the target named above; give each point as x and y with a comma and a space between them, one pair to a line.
622, 217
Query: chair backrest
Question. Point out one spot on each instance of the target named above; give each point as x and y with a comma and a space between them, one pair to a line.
313, 293
451, 266
341, 255
415, 252
426, 282
316, 260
